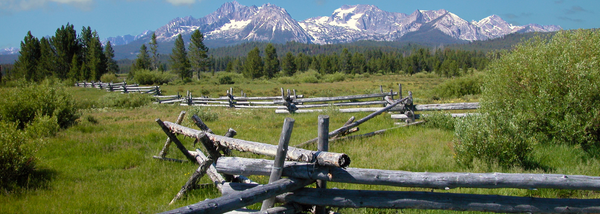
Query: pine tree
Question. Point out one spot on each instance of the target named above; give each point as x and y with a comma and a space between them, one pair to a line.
198, 52
271, 62
26, 65
96, 60
345, 61
155, 55
75, 71
179, 60
66, 45
143, 59
47, 61
289, 64
109, 54
254, 65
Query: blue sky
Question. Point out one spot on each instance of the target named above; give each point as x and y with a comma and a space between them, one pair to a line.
121, 17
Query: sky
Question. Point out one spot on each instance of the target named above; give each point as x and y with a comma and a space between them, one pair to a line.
121, 17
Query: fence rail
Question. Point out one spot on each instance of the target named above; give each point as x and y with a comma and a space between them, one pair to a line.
305, 167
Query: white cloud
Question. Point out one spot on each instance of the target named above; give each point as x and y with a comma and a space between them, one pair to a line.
21, 5
181, 2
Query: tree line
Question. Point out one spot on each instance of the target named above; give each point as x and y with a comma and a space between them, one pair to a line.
445, 62
65, 55
182, 62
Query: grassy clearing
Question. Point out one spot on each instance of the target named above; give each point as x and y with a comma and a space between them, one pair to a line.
104, 163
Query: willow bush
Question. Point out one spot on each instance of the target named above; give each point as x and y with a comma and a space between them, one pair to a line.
542, 92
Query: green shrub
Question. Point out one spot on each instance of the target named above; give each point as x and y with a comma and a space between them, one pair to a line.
129, 100
544, 91
109, 77
310, 76
204, 113
490, 140
23, 104
42, 126
226, 80
147, 77
288, 80
459, 87
440, 120
336, 77
16, 155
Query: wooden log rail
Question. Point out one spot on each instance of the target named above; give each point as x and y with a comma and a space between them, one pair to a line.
295, 154
441, 180
329, 99
428, 200
243, 198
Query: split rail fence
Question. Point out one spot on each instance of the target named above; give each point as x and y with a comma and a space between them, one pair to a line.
304, 167
122, 87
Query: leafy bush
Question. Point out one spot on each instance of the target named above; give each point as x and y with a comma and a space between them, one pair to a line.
491, 140
440, 120
109, 77
288, 80
204, 113
226, 80
458, 87
336, 77
310, 76
542, 92
16, 155
147, 77
23, 104
129, 100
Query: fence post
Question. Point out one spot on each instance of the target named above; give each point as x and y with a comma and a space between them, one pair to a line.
323, 146
400, 91
165, 148
277, 169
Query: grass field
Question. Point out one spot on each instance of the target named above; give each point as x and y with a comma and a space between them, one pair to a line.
104, 163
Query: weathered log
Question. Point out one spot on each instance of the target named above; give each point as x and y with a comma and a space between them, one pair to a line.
438, 180
342, 104
212, 173
378, 132
443, 201
322, 146
289, 208
243, 198
165, 148
357, 123
343, 110
328, 99
448, 106
201, 171
295, 154
176, 141
277, 169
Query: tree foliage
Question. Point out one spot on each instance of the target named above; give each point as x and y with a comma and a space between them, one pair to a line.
271, 63
179, 60
254, 64
543, 92
198, 53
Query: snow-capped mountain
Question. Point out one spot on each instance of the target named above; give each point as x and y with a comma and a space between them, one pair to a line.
234, 23
9, 51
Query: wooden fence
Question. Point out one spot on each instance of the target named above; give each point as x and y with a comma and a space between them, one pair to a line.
122, 87
305, 167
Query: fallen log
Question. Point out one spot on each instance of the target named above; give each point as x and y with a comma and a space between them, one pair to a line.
378, 132
439, 180
244, 198
201, 171
345, 128
295, 154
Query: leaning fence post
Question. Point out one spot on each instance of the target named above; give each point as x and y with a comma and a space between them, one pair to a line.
323, 146
277, 169
176, 141
165, 148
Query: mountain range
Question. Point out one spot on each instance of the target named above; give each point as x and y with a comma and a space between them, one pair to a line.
234, 23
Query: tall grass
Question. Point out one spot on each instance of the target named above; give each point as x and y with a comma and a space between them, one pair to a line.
104, 164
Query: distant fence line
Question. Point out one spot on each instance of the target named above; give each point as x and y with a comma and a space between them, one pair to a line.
123, 87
